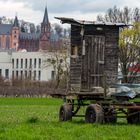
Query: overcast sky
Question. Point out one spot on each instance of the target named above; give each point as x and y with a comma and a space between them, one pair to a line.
33, 10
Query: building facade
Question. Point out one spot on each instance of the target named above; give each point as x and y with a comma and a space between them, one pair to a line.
26, 65
12, 37
21, 53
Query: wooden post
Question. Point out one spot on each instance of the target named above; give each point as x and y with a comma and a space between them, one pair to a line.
105, 84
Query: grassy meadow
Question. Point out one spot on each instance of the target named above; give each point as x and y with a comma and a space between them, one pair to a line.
37, 119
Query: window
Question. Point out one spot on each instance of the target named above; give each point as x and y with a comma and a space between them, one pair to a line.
39, 63
34, 75
16, 74
15, 44
30, 63
13, 63
13, 75
30, 74
39, 75
21, 74
35, 63
17, 63
26, 63
7, 73
53, 75
21, 63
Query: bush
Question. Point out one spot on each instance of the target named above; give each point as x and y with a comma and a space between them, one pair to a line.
33, 119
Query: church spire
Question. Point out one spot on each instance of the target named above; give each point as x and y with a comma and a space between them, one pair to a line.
16, 24
46, 19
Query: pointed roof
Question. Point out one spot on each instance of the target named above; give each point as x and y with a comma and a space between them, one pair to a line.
16, 24
45, 19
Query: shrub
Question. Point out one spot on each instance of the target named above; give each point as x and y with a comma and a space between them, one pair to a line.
33, 119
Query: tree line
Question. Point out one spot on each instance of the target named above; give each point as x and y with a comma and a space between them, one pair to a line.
29, 27
116, 15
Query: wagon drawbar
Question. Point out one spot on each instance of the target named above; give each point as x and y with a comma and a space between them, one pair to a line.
93, 73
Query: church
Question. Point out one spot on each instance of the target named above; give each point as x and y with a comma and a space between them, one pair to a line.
22, 55
12, 38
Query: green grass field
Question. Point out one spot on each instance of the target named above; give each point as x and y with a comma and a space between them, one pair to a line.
37, 119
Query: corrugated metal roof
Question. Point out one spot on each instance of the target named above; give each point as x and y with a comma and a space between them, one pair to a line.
84, 22
5, 29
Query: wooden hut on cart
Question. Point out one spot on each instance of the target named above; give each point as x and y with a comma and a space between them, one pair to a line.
93, 67
94, 55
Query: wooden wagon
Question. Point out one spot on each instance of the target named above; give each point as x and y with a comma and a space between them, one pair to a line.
93, 70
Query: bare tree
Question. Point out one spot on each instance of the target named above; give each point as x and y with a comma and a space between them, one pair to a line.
125, 15
136, 14
38, 29
58, 29
59, 61
32, 28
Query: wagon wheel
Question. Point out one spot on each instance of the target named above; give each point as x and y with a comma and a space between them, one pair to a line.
110, 116
133, 116
65, 112
94, 114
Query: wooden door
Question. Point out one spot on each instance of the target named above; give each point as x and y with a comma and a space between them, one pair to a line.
93, 62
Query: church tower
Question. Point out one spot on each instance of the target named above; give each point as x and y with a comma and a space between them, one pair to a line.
15, 34
44, 42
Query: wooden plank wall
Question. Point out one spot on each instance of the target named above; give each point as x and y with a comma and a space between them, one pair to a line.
75, 63
111, 53
111, 34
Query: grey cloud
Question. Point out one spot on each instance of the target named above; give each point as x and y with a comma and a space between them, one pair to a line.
67, 6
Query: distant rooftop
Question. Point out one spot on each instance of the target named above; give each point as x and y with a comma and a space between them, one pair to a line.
46, 19
5, 29
16, 24
84, 22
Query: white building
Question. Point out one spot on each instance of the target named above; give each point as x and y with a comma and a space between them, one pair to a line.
26, 64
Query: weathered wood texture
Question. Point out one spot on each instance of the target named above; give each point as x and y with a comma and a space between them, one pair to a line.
101, 56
